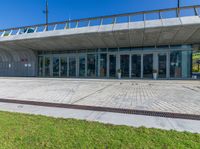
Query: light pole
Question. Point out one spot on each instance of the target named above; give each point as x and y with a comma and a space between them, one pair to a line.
178, 8
47, 14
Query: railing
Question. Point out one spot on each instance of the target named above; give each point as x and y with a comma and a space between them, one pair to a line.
104, 20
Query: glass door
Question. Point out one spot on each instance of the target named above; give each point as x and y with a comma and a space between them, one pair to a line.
112, 65
82, 66
148, 65
162, 65
47, 69
175, 64
136, 66
91, 65
72, 66
63, 66
40, 71
56, 66
103, 65
124, 65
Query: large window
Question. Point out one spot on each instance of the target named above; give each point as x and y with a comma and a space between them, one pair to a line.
112, 65
124, 65
40, 61
91, 65
148, 66
103, 65
176, 64
72, 66
56, 66
136, 66
63, 64
81, 66
162, 65
47, 66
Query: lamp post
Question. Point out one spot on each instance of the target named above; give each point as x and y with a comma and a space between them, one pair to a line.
178, 8
47, 14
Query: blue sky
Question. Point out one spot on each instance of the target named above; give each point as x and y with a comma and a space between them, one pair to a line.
14, 13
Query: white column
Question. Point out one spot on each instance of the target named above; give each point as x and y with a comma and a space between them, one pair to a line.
155, 61
118, 61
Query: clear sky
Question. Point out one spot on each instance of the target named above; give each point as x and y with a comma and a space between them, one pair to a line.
14, 13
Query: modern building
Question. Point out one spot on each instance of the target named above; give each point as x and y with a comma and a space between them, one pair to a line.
136, 43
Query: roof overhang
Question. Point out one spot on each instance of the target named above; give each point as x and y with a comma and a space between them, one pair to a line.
171, 31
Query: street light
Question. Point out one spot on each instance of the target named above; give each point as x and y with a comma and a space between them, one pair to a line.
47, 14
178, 8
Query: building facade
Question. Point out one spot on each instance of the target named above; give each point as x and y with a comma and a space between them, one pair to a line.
137, 44
170, 61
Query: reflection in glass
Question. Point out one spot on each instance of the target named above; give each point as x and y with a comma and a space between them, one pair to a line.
82, 66
103, 65
63, 64
148, 66
55, 66
91, 65
40, 66
72, 66
47, 66
175, 64
136, 66
124, 65
162, 69
112, 65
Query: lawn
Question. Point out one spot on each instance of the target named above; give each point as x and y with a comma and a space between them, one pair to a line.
21, 131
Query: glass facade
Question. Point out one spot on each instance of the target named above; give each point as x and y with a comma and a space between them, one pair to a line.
82, 66
148, 65
103, 65
72, 67
170, 62
162, 65
63, 66
136, 66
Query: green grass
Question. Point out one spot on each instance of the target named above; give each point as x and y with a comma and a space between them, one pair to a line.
20, 131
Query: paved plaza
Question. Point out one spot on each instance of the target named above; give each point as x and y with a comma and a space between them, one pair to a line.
180, 96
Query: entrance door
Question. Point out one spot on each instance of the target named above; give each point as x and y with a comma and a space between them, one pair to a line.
72, 66
148, 65
82, 62
162, 65
41, 65
112, 65
124, 65
47, 69
56, 66
136, 66
91, 65
64, 67
103, 65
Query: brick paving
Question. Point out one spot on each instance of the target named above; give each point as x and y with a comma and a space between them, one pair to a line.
163, 95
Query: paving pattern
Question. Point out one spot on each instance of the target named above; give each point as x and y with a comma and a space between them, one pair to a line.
164, 95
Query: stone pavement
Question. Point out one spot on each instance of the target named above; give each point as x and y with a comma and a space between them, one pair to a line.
179, 96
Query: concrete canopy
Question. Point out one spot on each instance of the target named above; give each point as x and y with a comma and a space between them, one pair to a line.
171, 31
